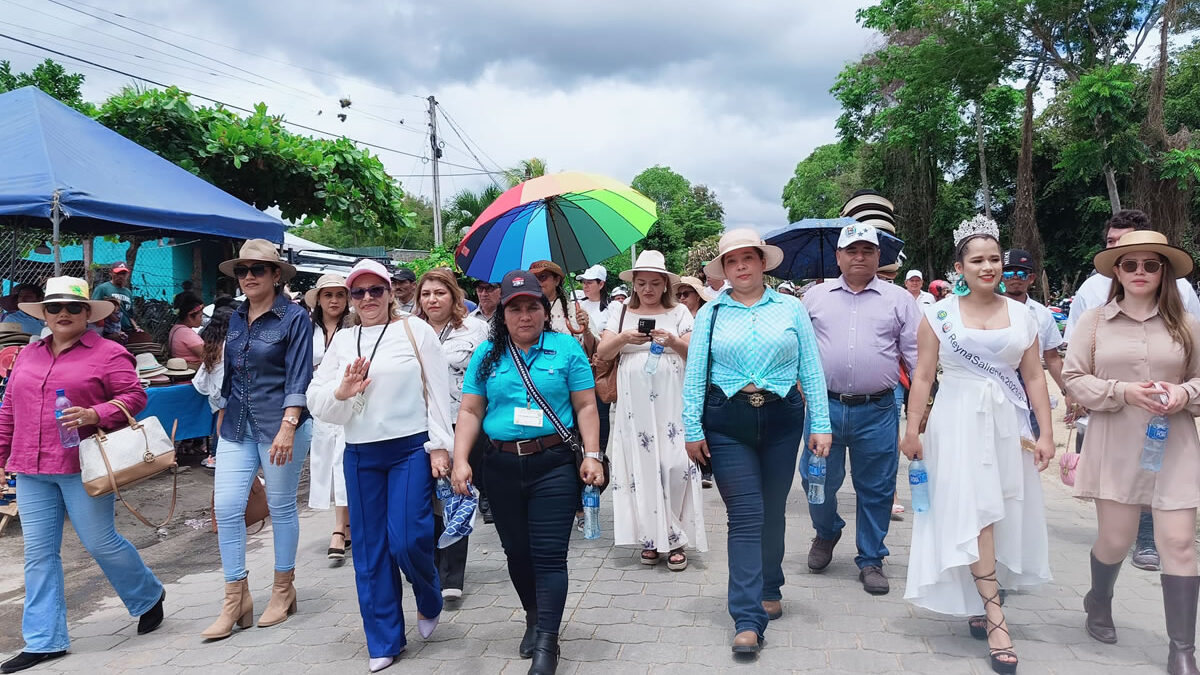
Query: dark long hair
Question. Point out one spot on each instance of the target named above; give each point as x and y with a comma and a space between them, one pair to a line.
186, 304
318, 315
499, 337
214, 335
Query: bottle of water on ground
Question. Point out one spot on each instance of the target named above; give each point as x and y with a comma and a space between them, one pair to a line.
68, 435
815, 473
656, 351
591, 512
1155, 443
918, 483
443, 489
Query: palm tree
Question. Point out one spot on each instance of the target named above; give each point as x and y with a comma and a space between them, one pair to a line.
466, 206
524, 170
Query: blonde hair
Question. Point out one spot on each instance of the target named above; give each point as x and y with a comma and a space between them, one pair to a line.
668, 297
393, 308
445, 277
1170, 306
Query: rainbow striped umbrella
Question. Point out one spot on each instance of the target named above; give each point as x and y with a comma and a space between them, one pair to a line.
575, 219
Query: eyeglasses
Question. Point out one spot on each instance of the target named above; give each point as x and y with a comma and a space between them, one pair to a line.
1151, 266
375, 291
1016, 274
71, 307
257, 270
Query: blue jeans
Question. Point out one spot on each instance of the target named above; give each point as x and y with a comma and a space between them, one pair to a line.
45, 500
870, 432
753, 457
237, 467
389, 489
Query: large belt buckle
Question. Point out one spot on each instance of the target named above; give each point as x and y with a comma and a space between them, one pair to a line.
757, 399
521, 452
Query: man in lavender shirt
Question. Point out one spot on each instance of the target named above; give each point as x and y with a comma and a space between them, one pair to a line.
865, 327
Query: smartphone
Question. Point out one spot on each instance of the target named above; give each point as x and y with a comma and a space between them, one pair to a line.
645, 325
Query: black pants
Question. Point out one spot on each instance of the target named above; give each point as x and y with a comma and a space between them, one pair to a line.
452, 560
534, 499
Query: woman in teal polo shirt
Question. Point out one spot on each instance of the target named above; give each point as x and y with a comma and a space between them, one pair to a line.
533, 485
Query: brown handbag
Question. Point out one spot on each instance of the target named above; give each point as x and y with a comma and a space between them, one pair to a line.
605, 370
256, 506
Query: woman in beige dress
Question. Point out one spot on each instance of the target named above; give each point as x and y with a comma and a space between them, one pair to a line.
1134, 358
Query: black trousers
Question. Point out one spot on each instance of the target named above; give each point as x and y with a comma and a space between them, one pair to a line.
452, 560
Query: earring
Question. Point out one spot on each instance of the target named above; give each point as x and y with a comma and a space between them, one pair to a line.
1001, 288
961, 288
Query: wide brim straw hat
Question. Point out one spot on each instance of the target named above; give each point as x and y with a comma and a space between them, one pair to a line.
259, 250
738, 239
68, 289
650, 261
325, 281
547, 266
695, 284
1144, 240
178, 367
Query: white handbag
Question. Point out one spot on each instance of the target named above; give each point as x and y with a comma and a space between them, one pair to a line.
115, 459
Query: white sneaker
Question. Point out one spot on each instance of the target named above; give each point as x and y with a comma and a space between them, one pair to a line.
451, 593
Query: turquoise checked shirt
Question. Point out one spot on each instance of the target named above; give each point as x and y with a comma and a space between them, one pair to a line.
770, 344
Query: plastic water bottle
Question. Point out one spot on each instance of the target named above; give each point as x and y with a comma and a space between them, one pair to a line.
591, 512
656, 351
443, 489
816, 480
1156, 441
68, 435
918, 483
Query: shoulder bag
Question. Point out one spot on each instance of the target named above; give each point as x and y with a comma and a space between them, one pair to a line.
605, 370
1068, 462
115, 459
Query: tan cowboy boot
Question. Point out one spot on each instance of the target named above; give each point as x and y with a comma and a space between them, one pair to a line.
238, 608
283, 600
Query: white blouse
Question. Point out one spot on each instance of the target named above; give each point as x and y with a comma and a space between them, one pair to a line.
395, 406
457, 346
677, 320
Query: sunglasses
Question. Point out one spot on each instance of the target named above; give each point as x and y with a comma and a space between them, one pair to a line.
71, 307
542, 276
257, 270
1016, 274
375, 291
683, 294
1131, 266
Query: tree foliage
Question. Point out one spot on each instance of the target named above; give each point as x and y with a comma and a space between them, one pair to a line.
687, 213
51, 78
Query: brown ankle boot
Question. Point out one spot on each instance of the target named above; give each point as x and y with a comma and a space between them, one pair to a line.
238, 608
283, 600
1098, 602
1179, 604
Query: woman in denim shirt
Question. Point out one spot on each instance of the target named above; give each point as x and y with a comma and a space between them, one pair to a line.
268, 365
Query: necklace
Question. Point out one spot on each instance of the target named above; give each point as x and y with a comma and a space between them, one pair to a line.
360, 399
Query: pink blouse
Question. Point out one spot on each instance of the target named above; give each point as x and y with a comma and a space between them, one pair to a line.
182, 339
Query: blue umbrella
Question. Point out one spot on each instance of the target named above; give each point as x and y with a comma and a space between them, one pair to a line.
809, 248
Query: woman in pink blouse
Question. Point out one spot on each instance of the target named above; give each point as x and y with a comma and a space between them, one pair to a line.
185, 342
92, 372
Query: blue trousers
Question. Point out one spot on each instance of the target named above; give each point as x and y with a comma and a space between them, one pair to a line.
46, 499
869, 433
753, 457
389, 489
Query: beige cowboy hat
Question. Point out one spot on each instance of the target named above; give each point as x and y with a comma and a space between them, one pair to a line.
66, 290
148, 366
695, 284
325, 281
178, 367
259, 250
1144, 240
650, 261
740, 238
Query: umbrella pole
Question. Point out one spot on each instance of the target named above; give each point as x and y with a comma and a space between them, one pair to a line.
56, 221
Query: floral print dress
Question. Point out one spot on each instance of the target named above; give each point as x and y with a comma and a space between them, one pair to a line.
655, 486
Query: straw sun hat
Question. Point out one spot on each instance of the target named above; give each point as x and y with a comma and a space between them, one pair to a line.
259, 251
326, 281
1143, 240
695, 284
740, 238
650, 261
67, 290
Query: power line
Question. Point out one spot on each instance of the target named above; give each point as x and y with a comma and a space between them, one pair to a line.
477, 160
454, 126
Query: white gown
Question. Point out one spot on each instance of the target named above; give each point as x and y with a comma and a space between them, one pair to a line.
978, 475
325, 475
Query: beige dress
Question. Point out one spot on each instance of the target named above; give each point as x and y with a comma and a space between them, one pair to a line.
1129, 351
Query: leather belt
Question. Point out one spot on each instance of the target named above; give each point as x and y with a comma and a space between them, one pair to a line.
528, 446
861, 399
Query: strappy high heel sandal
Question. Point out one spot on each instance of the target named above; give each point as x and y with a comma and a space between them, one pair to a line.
997, 655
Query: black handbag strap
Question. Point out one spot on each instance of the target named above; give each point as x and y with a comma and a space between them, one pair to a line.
712, 324
537, 397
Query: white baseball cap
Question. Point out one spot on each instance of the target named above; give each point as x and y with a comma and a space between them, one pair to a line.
594, 273
858, 232
914, 274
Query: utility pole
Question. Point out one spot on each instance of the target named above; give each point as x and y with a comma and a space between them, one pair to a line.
435, 155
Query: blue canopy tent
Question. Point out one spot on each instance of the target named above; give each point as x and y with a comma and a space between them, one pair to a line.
59, 165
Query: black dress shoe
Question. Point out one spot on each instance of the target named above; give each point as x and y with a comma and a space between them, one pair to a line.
153, 618
545, 654
530, 637
28, 660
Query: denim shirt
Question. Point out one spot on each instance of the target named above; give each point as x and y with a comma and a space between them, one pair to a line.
268, 366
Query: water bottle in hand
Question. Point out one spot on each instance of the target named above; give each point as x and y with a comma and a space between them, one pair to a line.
68, 435
443, 489
1156, 441
815, 473
918, 483
591, 512
656, 351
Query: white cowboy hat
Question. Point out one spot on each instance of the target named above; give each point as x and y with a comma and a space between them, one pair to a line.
326, 281
148, 367
67, 290
1144, 240
650, 261
740, 238
259, 250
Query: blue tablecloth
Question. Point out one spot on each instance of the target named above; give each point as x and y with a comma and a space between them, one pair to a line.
183, 403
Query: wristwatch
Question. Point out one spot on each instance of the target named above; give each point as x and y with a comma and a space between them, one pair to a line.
292, 420
593, 455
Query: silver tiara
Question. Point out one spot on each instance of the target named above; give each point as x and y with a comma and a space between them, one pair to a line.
978, 225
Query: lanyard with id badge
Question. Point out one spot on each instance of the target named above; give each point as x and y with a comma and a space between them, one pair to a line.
528, 416
360, 399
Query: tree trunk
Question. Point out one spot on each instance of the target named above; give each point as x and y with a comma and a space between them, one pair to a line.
983, 178
1025, 230
1114, 197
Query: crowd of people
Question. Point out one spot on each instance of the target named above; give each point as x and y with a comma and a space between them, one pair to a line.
391, 384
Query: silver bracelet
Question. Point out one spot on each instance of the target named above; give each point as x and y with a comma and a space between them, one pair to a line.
592, 455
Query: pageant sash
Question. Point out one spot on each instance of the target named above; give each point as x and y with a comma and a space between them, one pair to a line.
947, 324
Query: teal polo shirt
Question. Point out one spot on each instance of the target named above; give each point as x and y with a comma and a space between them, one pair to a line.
557, 366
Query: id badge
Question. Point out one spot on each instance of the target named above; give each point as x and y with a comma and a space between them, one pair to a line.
528, 417
360, 402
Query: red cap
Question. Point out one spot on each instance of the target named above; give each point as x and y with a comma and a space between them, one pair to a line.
120, 267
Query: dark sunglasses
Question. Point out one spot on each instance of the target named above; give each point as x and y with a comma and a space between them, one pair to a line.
1131, 266
71, 307
1016, 274
542, 276
257, 270
375, 291
683, 294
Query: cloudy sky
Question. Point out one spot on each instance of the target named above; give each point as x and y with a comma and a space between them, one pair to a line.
731, 95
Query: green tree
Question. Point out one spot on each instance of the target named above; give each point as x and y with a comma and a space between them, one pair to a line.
1104, 115
822, 182
686, 213
465, 207
51, 78
534, 167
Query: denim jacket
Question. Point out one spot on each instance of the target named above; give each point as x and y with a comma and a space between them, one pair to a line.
268, 366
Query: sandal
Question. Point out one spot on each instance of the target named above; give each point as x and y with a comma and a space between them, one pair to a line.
677, 560
338, 553
997, 655
650, 557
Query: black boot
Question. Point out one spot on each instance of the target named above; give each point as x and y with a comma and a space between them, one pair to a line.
545, 654
30, 659
153, 618
1179, 604
527, 641
1098, 602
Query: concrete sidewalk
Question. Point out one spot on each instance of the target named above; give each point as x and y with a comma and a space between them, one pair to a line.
623, 617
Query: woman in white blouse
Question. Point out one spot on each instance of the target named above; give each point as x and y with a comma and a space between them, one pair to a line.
398, 437
440, 303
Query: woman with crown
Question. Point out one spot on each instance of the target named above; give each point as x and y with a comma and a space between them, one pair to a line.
986, 523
